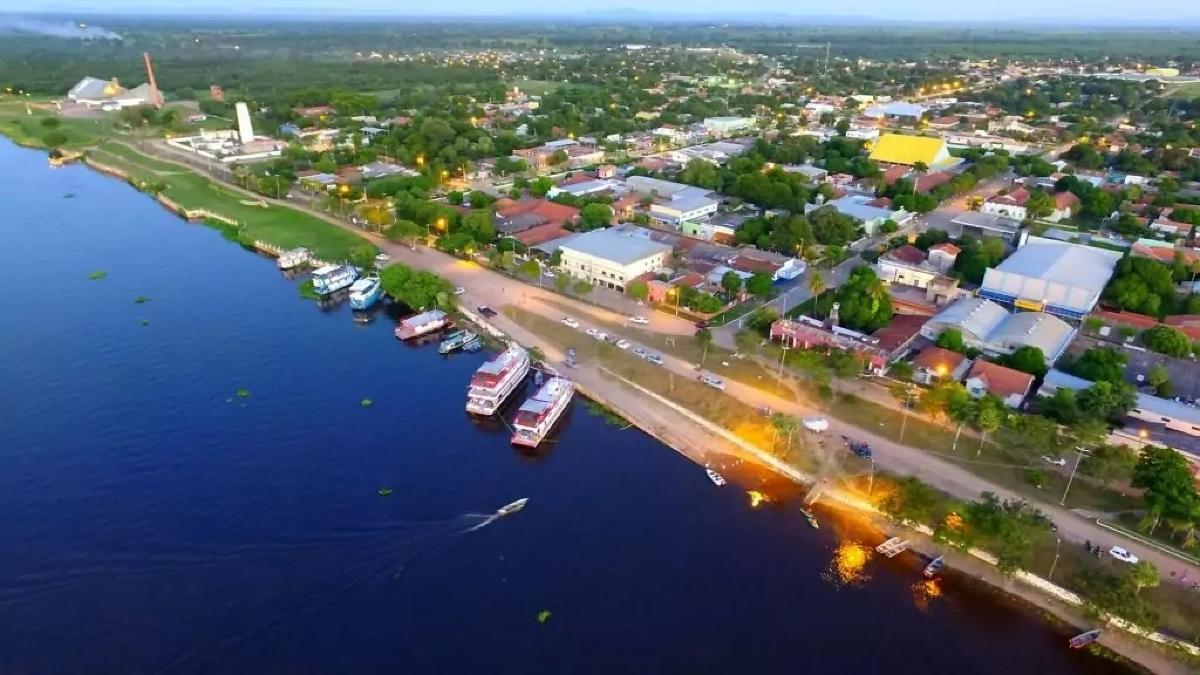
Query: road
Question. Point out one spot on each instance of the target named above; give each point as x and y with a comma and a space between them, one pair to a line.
485, 287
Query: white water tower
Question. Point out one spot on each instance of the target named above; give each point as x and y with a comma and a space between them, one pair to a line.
245, 129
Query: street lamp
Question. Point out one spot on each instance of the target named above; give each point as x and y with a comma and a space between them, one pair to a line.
904, 421
1057, 542
1078, 459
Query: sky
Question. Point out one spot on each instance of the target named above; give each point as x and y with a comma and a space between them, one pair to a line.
1166, 12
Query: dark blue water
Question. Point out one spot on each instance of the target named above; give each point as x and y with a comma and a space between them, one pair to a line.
153, 522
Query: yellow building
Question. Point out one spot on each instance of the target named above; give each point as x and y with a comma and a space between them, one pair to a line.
908, 150
1163, 72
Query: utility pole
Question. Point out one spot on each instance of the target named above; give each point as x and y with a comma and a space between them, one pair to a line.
827, 47
1057, 543
1078, 459
904, 421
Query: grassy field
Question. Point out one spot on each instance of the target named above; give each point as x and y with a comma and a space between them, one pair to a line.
283, 227
25, 123
1188, 91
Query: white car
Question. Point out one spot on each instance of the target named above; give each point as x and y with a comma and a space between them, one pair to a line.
569, 322
655, 359
601, 335
639, 320
624, 344
1056, 461
640, 353
1123, 555
459, 290
714, 382
816, 424
592, 332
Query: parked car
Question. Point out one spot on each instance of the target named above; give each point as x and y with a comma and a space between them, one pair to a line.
655, 359
569, 322
1123, 555
712, 381
639, 320
611, 339
601, 335
591, 332
816, 424
624, 344
639, 352
1056, 461
486, 311
459, 290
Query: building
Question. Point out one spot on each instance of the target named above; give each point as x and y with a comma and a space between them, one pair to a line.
909, 150
1152, 413
979, 224
533, 221
1052, 276
754, 261
673, 203
724, 126
896, 109
93, 92
1010, 386
610, 258
1011, 205
988, 327
809, 333
861, 207
934, 365
245, 126
908, 266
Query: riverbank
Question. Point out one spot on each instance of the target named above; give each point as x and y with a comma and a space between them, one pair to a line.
675, 430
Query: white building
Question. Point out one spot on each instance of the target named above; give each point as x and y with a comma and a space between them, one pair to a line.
1051, 276
674, 203
245, 127
611, 258
92, 92
724, 126
988, 327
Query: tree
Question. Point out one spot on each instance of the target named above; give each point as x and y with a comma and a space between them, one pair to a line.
1160, 379
540, 186
1166, 477
1027, 359
913, 501
1110, 463
760, 285
700, 173
404, 229
1039, 204
864, 301
900, 370
704, 337
581, 288
842, 126
1008, 529
1143, 575
732, 283
558, 157
1168, 340
761, 319
1099, 364
561, 282
786, 426
638, 289
1105, 594
816, 283
989, 414
746, 340
595, 215
952, 339
530, 269
1107, 400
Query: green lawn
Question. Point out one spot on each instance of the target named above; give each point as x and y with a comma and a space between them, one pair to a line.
28, 128
281, 226
1189, 91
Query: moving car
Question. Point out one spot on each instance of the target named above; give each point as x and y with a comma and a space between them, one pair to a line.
1123, 555
569, 322
639, 320
712, 381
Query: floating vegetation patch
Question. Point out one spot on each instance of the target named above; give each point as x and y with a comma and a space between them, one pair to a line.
609, 415
69, 195
97, 275
142, 299
242, 392
384, 491
308, 290
145, 322
367, 403
543, 616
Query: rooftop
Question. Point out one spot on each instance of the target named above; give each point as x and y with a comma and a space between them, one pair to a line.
901, 149
1000, 380
619, 247
939, 360
1053, 272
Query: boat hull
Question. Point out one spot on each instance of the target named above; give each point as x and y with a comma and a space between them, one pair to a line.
488, 403
365, 301
531, 437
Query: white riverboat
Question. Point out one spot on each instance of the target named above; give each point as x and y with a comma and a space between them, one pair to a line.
495, 381
422, 324
294, 258
332, 278
540, 412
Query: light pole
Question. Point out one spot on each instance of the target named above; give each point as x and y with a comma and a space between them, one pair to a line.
904, 421
871, 478
1057, 542
782, 358
1078, 459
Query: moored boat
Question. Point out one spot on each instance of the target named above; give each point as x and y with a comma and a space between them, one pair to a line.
333, 278
422, 324
934, 567
495, 381
293, 258
715, 477
365, 292
1084, 639
539, 412
456, 340
811, 518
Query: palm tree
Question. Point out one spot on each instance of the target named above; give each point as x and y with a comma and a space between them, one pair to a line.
816, 286
786, 425
920, 169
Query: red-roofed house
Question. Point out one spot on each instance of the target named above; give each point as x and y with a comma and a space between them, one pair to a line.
1011, 205
943, 255
801, 335
895, 338
895, 173
1065, 204
943, 123
1010, 386
1189, 324
931, 180
935, 364
1163, 251
515, 216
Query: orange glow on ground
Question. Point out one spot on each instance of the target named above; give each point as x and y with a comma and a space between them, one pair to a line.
757, 498
849, 563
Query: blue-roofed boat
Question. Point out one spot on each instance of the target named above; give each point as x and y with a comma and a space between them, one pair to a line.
365, 292
333, 278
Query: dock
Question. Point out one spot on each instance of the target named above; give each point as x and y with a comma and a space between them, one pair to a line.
893, 547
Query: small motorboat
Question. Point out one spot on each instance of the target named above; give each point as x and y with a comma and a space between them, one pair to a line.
811, 518
511, 508
1084, 639
934, 567
715, 477
456, 340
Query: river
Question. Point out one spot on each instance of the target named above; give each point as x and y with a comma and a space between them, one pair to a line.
154, 521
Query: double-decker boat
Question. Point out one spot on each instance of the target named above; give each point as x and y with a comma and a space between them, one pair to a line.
422, 324
333, 278
539, 412
365, 292
293, 258
495, 381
